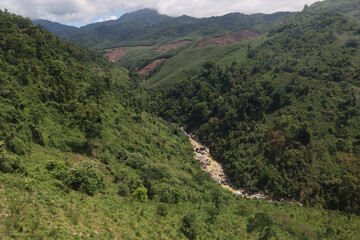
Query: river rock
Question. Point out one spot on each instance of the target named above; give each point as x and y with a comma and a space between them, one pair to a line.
202, 154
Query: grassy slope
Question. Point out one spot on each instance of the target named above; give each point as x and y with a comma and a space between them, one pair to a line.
179, 67
39, 206
188, 62
140, 56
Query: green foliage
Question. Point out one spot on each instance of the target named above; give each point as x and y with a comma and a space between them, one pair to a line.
47, 101
140, 194
162, 210
166, 197
57, 169
124, 190
8, 162
143, 28
243, 210
140, 38
89, 120
85, 177
213, 214
284, 117
189, 226
262, 223
171, 195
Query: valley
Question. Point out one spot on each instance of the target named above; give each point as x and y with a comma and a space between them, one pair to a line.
215, 169
241, 126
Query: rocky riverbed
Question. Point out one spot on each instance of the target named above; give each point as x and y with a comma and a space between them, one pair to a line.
215, 169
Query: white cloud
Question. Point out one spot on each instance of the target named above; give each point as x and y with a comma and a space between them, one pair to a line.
107, 19
86, 10
111, 18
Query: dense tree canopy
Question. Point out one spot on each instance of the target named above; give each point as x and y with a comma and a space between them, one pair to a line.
286, 122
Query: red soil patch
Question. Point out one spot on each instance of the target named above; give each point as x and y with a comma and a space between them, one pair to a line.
170, 46
115, 55
151, 66
228, 39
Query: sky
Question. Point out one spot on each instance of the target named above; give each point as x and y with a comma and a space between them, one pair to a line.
82, 12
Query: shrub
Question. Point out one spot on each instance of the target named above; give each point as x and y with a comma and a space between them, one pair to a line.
57, 169
304, 134
137, 161
263, 224
189, 226
165, 197
162, 210
213, 214
141, 194
8, 162
352, 43
200, 177
171, 195
132, 181
243, 210
105, 157
85, 177
124, 190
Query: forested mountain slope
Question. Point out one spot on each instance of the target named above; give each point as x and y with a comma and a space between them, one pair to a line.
53, 27
284, 116
140, 36
178, 66
81, 158
147, 27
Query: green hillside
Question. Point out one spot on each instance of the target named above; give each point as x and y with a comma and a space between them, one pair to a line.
284, 116
188, 62
144, 31
147, 27
83, 157
179, 66
53, 27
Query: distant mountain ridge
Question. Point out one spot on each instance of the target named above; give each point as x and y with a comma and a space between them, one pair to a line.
148, 27
139, 18
54, 27
142, 17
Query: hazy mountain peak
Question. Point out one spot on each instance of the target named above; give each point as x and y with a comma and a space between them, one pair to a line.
147, 14
53, 27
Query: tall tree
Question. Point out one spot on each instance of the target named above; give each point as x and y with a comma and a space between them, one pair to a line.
90, 123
